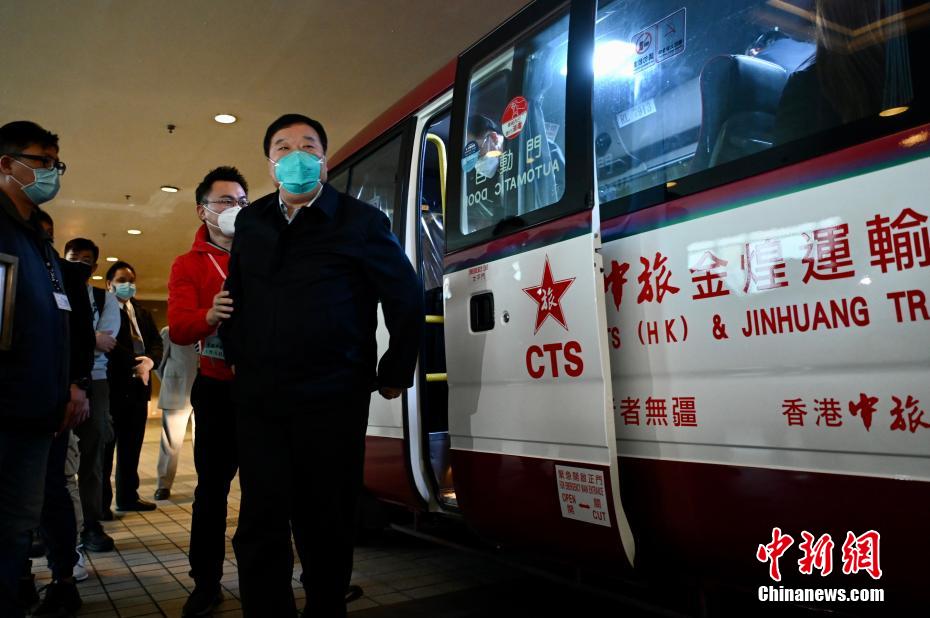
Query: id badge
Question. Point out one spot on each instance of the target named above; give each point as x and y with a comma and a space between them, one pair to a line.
213, 348
62, 301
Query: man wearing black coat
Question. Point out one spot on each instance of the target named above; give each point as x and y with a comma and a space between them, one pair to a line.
138, 350
37, 397
308, 269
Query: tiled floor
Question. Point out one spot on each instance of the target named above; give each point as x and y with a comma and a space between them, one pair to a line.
147, 574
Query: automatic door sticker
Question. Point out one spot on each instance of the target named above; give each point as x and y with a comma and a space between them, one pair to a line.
582, 495
469, 156
514, 117
671, 31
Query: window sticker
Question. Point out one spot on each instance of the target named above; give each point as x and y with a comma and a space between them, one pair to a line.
470, 156
671, 32
661, 41
514, 117
637, 112
644, 41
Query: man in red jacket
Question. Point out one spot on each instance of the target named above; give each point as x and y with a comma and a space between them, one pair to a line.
196, 306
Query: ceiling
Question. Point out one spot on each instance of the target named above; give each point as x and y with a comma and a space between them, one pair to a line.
108, 76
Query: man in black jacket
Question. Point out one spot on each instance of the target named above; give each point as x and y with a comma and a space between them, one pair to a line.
138, 350
36, 397
307, 271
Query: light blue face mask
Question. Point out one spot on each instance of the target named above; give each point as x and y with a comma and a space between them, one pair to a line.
298, 172
124, 290
45, 186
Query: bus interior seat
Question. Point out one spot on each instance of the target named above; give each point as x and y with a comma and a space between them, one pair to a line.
739, 98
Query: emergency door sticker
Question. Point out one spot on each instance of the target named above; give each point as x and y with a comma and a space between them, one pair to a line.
582, 495
548, 297
671, 31
514, 117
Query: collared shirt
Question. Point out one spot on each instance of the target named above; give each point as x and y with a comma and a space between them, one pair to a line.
283, 206
106, 319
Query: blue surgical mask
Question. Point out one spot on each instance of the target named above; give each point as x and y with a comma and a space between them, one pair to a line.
45, 186
124, 290
298, 172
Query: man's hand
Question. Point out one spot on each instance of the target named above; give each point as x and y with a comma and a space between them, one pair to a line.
105, 340
222, 308
76, 410
390, 392
143, 369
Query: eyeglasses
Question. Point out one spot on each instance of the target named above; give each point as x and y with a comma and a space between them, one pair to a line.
49, 163
228, 202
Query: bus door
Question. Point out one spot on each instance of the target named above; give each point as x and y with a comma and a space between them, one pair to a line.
533, 447
378, 176
429, 221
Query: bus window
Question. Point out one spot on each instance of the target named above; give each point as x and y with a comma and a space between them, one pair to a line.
512, 162
338, 181
686, 86
432, 232
374, 179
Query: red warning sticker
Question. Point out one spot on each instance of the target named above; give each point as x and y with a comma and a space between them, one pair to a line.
514, 117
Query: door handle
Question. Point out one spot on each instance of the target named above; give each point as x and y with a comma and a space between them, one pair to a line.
482, 312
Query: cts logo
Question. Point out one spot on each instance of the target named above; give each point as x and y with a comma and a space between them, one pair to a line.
548, 297
551, 357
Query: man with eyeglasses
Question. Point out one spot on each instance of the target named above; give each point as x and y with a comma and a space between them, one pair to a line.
196, 306
37, 396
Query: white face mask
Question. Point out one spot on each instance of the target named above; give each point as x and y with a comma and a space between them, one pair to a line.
226, 220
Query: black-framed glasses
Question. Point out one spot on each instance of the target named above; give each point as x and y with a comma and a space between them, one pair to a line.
49, 163
228, 202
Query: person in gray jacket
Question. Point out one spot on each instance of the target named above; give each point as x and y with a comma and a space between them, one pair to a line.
177, 372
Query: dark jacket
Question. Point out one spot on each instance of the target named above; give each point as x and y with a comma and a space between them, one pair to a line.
34, 383
122, 358
306, 298
81, 319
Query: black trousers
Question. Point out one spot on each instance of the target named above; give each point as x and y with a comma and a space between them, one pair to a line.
57, 523
302, 469
129, 409
93, 435
216, 460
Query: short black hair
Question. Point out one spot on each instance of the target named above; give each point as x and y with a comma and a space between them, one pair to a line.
289, 120
225, 172
111, 271
82, 244
21, 134
478, 124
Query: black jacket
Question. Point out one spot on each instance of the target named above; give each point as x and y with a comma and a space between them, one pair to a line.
306, 298
81, 319
122, 358
34, 373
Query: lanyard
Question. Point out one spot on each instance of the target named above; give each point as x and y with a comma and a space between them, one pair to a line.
217, 265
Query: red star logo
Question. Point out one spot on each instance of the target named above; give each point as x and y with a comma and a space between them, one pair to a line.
548, 296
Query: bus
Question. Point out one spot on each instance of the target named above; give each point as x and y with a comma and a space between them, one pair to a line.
676, 259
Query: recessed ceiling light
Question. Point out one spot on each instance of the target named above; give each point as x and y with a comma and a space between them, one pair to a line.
134, 232
97, 278
169, 189
112, 259
894, 111
225, 118
670, 184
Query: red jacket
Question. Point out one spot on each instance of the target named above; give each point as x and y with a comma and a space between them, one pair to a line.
193, 283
